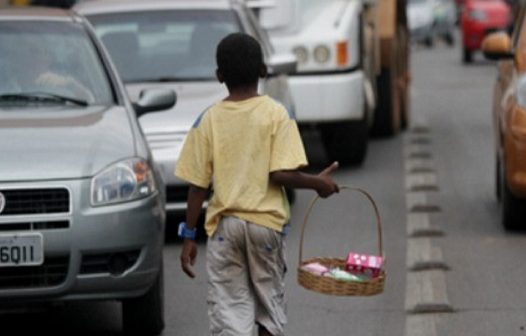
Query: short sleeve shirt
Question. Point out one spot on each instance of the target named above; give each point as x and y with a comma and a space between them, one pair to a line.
233, 147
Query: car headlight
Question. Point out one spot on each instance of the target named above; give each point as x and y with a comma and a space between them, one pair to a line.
124, 181
322, 54
301, 54
477, 15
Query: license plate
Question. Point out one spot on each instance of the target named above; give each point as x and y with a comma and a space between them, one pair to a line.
21, 249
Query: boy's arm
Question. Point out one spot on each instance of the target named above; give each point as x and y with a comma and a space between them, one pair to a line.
196, 198
322, 183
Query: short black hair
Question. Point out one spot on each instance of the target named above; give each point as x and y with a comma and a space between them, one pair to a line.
240, 60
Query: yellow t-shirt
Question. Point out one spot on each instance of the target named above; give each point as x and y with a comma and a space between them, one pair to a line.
234, 146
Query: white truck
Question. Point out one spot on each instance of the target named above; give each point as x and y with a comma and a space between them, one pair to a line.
352, 75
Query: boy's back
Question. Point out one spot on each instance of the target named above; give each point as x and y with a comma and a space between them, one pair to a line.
237, 144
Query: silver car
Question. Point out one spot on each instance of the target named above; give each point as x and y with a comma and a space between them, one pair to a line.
172, 44
81, 204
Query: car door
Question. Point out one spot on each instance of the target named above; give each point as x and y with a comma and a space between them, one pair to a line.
506, 79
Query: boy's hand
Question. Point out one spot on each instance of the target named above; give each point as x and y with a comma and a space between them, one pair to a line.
188, 255
328, 186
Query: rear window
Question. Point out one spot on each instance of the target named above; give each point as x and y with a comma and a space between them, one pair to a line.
165, 45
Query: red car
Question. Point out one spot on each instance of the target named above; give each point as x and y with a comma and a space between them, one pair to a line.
478, 19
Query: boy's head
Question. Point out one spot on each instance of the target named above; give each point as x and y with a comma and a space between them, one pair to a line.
239, 61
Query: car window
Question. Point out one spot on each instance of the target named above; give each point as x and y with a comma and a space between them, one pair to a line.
165, 45
51, 58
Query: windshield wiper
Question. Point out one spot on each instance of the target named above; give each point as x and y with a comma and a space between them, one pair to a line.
41, 97
169, 79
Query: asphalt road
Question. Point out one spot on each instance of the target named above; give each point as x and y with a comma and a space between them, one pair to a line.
484, 279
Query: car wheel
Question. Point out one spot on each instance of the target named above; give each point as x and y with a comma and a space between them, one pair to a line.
467, 55
346, 142
449, 38
144, 315
513, 208
291, 195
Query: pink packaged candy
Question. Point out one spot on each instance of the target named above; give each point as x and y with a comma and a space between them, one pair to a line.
316, 268
364, 264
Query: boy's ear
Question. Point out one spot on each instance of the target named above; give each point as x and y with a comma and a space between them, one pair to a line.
220, 76
263, 72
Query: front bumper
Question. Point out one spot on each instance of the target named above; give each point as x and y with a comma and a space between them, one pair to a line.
328, 97
82, 253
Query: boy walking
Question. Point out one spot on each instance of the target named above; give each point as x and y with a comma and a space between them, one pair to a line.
248, 148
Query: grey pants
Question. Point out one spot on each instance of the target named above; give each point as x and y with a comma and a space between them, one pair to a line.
246, 269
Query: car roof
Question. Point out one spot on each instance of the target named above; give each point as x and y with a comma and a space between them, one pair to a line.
107, 6
36, 13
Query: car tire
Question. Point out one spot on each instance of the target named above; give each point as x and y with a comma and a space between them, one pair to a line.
449, 38
144, 315
513, 208
291, 195
346, 142
428, 42
467, 55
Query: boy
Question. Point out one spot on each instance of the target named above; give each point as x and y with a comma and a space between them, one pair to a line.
249, 148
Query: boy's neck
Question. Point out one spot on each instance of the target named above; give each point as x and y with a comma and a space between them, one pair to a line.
242, 93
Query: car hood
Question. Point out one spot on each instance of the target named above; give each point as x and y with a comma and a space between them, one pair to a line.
193, 98
63, 143
490, 6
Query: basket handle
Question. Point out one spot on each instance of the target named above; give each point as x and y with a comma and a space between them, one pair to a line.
375, 208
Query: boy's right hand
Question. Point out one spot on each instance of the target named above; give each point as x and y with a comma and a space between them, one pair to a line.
328, 186
188, 256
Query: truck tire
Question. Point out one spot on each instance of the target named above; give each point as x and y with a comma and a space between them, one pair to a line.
144, 315
387, 116
403, 84
346, 142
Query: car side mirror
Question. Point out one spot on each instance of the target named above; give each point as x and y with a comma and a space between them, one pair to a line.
497, 46
154, 100
282, 64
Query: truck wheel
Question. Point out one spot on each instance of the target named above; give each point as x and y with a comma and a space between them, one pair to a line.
467, 55
513, 208
346, 142
403, 77
144, 315
387, 115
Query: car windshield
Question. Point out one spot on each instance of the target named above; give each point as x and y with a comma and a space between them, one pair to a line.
50, 62
175, 45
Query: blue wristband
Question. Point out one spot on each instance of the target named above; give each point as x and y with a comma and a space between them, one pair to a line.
186, 233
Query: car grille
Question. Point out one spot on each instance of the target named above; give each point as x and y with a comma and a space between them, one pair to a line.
29, 226
52, 273
35, 201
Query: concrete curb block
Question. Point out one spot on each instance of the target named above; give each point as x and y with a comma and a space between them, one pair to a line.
420, 325
422, 255
426, 293
419, 225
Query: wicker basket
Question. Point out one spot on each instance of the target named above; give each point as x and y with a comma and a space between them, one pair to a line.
332, 286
